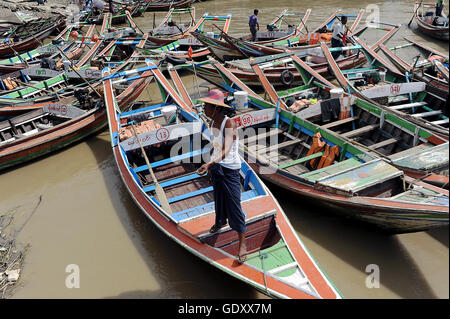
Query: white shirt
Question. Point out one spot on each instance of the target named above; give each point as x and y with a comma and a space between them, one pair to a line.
232, 159
338, 31
98, 4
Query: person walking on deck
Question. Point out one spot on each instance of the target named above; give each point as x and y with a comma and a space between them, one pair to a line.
338, 38
224, 168
253, 24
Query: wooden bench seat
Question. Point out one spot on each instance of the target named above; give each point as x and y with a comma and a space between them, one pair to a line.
383, 143
340, 122
361, 130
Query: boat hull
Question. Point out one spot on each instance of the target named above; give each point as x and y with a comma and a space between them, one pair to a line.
380, 213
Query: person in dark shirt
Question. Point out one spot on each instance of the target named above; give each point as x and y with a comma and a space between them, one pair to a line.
253, 24
439, 7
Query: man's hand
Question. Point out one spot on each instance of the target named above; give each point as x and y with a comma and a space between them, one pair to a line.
203, 169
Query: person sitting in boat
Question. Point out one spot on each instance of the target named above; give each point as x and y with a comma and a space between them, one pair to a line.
338, 38
253, 24
224, 168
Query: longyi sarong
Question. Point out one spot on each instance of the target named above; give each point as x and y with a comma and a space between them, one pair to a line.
227, 197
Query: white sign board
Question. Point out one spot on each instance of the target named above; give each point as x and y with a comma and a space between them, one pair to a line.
48, 49
162, 134
63, 110
189, 41
394, 89
253, 118
169, 30
87, 73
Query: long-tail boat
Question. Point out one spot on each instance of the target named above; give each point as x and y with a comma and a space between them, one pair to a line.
29, 36
278, 68
165, 5
170, 29
431, 66
384, 84
234, 48
430, 24
418, 153
60, 87
274, 30
180, 203
52, 126
313, 161
177, 52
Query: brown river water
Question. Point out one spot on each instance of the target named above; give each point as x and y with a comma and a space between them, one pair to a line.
86, 217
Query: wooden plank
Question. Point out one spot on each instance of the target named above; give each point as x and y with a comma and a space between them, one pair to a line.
426, 114
340, 122
361, 130
261, 136
383, 143
300, 160
440, 122
407, 106
278, 146
191, 194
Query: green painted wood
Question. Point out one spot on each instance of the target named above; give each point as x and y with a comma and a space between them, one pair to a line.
300, 160
330, 170
278, 255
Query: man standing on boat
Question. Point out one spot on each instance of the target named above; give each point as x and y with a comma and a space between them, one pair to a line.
439, 7
224, 168
338, 38
254, 24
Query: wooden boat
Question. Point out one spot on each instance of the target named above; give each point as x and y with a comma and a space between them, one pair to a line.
169, 31
177, 51
274, 30
279, 69
278, 264
165, 5
417, 152
54, 126
235, 49
22, 39
430, 69
73, 47
61, 87
313, 161
383, 84
428, 23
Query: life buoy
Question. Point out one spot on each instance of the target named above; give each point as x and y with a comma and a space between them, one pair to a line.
287, 77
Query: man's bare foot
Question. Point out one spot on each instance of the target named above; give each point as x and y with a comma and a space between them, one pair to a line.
242, 256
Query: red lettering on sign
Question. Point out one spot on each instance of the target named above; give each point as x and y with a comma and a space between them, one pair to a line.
395, 88
162, 134
247, 119
237, 121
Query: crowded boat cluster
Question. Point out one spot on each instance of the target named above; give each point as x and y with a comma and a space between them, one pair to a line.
312, 109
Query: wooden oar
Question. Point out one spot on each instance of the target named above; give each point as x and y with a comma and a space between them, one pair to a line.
159, 191
415, 12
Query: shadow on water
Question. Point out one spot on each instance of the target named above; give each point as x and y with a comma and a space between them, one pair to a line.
440, 235
178, 273
356, 244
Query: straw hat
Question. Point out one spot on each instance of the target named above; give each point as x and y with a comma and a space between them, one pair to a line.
216, 97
